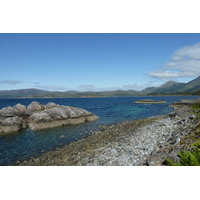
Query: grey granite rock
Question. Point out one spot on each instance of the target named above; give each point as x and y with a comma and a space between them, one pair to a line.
19, 109
41, 117
37, 116
57, 113
34, 107
7, 112
12, 124
12, 121
50, 105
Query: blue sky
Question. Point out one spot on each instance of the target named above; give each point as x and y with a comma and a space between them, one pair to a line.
95, 62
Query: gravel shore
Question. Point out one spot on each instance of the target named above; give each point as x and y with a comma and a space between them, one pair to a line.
131, 143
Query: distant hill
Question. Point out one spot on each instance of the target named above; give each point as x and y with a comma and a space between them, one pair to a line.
148, 90
21, 93
175, 88
169, 88
191, 86
35, 93
116, 93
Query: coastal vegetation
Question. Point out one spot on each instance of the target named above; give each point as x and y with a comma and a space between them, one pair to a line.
188, 158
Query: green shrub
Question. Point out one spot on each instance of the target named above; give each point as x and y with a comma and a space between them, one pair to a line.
188, 158
196, 109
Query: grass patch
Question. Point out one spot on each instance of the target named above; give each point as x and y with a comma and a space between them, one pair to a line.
188, 158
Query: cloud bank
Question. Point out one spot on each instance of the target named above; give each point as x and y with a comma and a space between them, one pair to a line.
10, 82
85, 88
53, 88
185, 62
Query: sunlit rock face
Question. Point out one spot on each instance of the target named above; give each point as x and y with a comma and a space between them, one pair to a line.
37, 116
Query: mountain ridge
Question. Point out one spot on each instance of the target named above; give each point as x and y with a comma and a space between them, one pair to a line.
168, 88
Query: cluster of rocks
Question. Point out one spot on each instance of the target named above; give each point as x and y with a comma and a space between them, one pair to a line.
37, 116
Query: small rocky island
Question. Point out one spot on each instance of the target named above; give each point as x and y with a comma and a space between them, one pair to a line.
37, 116
149, 101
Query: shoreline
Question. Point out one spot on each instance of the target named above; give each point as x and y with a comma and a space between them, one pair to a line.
140, 142
103, 136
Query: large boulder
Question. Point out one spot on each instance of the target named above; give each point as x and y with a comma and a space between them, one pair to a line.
37, 116
12, 124
50, 105
7, 112
19, 109
34, 107
57, 113
12, 121
40, 117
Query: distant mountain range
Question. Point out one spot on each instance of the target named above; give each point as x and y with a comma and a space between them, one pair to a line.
176, 88
169, 88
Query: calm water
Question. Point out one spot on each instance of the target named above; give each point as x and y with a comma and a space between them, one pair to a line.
22, 145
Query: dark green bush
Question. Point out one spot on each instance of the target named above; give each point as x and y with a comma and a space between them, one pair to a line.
188, 158
196, 109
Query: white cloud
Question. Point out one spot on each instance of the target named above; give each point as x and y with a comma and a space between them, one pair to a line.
134, 87
124, 87
185, 62
10, 82
36, 83
53, 88
164, 75
190, 51
86, 88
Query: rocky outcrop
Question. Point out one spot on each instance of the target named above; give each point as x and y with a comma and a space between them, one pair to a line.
149, 101
37, 116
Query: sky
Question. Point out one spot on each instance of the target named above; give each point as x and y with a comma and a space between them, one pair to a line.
97, 61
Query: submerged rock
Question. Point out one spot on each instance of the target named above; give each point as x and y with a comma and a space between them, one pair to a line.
37, 116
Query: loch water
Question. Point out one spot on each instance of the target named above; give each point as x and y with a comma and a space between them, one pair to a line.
25, 144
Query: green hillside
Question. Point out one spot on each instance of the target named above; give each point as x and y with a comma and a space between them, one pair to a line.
191, 86
169, 87
21, 93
